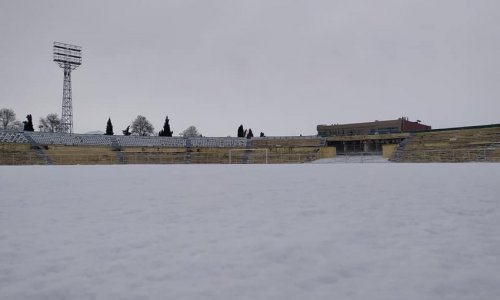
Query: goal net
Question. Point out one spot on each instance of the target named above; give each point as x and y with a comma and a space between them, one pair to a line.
248, 156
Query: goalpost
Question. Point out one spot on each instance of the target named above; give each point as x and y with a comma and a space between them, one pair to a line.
247, 152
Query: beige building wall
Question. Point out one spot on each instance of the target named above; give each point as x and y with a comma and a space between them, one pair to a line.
327, 152
388, 149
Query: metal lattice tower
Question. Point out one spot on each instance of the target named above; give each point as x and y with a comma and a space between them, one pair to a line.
68, 57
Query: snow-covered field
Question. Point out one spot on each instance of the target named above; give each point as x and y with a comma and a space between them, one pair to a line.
352, 159
309, 231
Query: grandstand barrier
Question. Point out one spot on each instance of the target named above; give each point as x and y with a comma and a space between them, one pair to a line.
80, 155
18, 154
454, 155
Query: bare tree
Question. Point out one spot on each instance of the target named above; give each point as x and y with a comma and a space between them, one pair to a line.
51, 123
141, 126
17, 125
191, 132
8, 119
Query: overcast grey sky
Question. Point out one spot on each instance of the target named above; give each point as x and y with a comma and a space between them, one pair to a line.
281, 67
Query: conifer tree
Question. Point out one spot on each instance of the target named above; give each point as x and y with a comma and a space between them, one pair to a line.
28, 125
250, 133
109, 128
126, 131
241, 132
166, 129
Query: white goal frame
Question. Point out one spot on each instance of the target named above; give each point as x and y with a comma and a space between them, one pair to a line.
253, 149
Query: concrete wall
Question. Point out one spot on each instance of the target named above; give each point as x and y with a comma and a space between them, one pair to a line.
18, 154
80, 155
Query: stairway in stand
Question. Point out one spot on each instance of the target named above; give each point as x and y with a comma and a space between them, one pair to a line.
38, 150
115, 146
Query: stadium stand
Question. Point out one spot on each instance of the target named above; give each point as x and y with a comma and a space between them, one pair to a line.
12, 137
61, 148
123, 141
38, 150
219, 142
288, 141
43, 138
451, 145
16, 149
150, 141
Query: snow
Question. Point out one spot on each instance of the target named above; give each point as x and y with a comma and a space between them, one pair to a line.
308, 231
352, 159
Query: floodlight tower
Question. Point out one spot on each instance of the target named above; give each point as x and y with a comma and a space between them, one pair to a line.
68, 57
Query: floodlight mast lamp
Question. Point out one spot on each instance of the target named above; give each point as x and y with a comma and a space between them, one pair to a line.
68, 57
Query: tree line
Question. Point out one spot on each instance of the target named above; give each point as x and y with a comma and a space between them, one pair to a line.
140, 126
8, 121
242, 132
